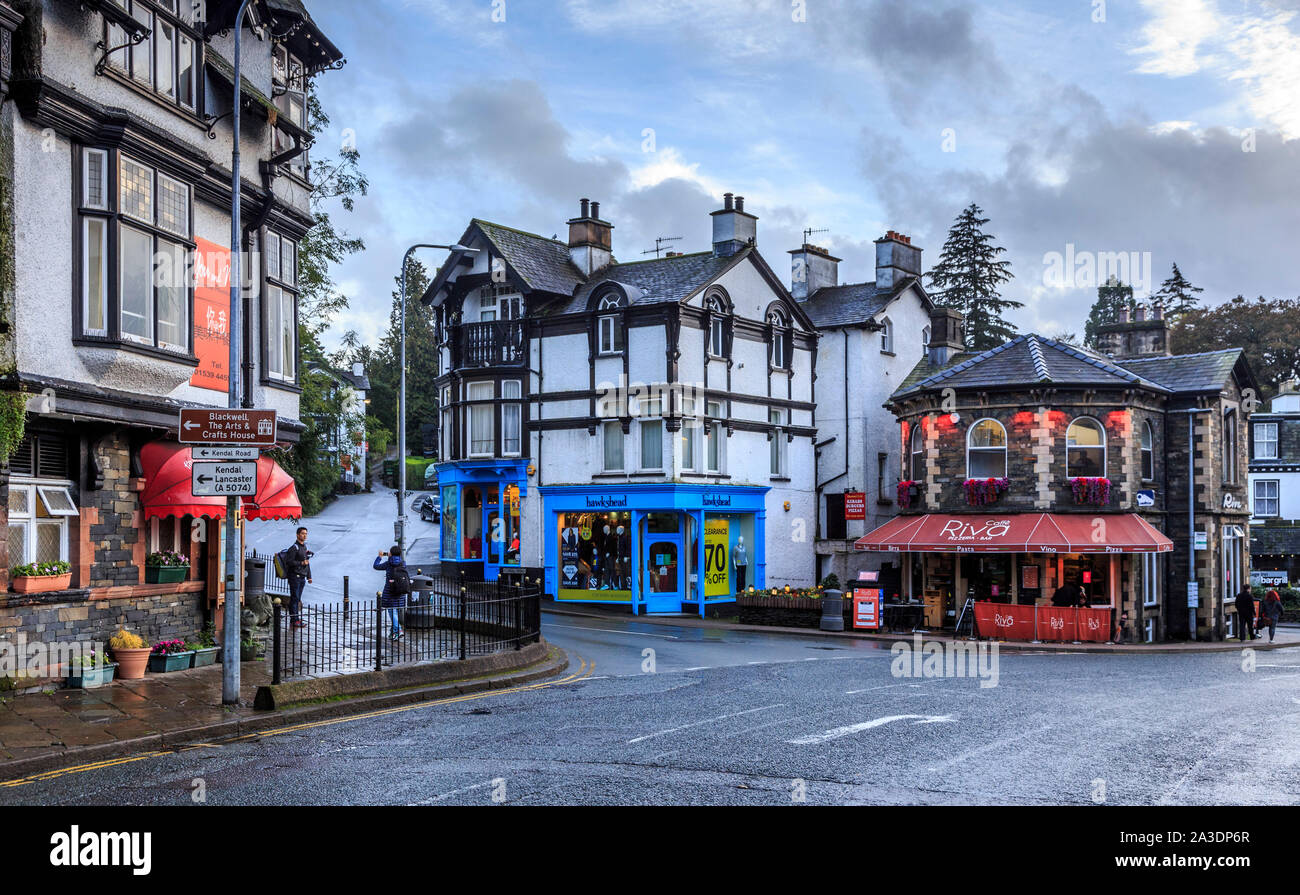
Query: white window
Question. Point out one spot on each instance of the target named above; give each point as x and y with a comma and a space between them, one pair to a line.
94, 267
689, 438
887, 337
776, 450
447, 453
1148, 452
1085, 449
511, 417
291, 99
925, 341
39, 511
713, 449
717, 327
166, 60
651, 426
1148, 565
1230, 445
1266, 441
281, 331
1268, 497
917, 451
986, 450
610, 327
780, 350
612, 434
480, 419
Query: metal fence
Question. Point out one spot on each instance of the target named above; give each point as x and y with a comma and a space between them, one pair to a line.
444, 620
277, 587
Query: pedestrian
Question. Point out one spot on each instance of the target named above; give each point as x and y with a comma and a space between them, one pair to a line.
1064, 596
1270, 613
298, 560
397, 585
1245, 614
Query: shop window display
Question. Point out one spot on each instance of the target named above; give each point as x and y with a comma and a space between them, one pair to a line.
595, 556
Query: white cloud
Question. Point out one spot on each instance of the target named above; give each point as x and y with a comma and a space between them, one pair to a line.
667, 163
1175, 34
1268, 61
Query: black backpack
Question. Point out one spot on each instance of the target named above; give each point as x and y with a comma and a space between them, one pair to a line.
399, 581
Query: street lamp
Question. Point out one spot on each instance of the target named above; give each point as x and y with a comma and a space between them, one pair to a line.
400, 527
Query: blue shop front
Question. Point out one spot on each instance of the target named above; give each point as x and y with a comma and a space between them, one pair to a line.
480, 526
659, 548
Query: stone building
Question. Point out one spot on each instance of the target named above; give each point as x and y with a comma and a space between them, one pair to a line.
1038, 463
115, 146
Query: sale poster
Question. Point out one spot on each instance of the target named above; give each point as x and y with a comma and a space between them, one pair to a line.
717, 571
211, 316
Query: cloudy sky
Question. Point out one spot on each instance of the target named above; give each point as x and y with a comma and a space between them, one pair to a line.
1168, 127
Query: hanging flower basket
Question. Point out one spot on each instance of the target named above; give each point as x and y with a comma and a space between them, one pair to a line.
981, 492
1093, 491
907, 492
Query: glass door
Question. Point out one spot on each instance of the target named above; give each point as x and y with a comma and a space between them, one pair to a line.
662, 566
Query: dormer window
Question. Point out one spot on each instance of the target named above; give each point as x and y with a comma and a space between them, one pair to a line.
166, 61
780, 346
609, 327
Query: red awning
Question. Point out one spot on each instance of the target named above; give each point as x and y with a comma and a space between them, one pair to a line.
167, 484
277, 496
1017, 533
167, 487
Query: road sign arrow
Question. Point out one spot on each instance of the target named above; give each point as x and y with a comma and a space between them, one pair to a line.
204, 479
189, 425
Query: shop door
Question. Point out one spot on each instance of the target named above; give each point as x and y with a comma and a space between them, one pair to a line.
662, 573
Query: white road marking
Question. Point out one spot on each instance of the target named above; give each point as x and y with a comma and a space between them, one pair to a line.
610, 631
988, 747
454, 792
1277, 666
837, 732
650, 736
700, 668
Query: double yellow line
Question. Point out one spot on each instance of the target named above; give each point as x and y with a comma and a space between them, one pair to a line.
585, 670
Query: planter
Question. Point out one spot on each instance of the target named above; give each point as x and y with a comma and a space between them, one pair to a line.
166, 574
171, 662
89, 678
40, 584
131, 663
247, 651
206, 656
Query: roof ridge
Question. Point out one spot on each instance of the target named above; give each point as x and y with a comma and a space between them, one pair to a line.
1108, 366
556, 241
672, 258
948, 372
1143, 360
1036, 354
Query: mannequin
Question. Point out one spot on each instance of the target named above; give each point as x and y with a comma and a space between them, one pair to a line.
739, 562
609, 549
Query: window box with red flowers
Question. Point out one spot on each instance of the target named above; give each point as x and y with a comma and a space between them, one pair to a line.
908, 492
982, 492
1092, 491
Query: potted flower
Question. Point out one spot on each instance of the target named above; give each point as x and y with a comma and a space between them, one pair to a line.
130, 653
90, 670
247, 648
981, 492
166, 567
1095, 491
205, 648
41, 577
908, 491
170, 655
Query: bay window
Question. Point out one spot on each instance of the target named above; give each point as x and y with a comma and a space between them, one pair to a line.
290, 82
166, 60
142, 293
280, 302
480, 412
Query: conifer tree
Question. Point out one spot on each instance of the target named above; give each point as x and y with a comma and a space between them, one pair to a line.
968, 277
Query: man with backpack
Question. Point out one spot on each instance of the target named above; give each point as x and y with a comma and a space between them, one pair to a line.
296, 559
397, 586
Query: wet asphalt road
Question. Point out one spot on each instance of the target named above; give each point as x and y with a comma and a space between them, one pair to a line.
756, 718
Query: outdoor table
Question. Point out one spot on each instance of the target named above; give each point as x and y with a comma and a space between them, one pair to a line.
898, 612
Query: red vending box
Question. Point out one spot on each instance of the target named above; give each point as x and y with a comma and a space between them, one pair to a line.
866, 607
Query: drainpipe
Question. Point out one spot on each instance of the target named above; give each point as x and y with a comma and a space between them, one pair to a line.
1191, 514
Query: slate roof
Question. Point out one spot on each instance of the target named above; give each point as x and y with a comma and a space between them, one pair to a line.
544, 264
1027, 359
845, 305
655, 280
1206, 372
1273, 540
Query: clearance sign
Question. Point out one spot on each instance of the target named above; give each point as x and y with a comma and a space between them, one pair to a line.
211, 316
717, 570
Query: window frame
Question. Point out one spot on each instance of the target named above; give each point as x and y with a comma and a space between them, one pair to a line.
512, 405
1147, 446
778, 464
713, 439
605, 442
1104, 447
1230, 422
1255, 498
887, 336
471, 404
30, 518
284, 292
112, 221
650, 418
290, 90
912, 452
1004, 448
718, 320
123, 61
779, 353
1255, 428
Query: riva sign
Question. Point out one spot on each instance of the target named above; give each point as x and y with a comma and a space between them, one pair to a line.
957, 530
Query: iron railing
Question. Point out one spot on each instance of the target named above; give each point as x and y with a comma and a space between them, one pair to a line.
491, 343
277, 587
444, 620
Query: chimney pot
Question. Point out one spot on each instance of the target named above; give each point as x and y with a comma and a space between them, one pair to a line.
595, 210
1141, 314
1157, 312
726, 202
585, 213
740, 203
1123, 315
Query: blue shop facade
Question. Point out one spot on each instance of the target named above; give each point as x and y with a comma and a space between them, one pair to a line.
657, 548
481, 532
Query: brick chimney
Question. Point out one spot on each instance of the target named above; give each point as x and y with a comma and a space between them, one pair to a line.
589, 239
946, 336
896, 259
733, 227
1147, 335
812, 268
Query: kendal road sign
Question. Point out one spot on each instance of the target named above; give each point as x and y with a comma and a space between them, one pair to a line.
223, 479
206, 452
244, 428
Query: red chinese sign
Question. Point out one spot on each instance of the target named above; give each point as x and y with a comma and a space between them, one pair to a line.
855, 505
211, 316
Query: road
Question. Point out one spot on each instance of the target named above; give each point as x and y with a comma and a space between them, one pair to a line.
654, 713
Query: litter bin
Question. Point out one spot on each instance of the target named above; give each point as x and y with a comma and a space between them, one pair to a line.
419, 603
254, 576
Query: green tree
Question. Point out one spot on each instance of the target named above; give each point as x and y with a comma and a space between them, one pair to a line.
1268, 330
1177, 296
422, 361
968, 276
1112, 297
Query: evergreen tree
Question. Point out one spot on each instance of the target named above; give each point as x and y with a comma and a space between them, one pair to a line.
1177, 296
421, 360
967, 278
1112, 297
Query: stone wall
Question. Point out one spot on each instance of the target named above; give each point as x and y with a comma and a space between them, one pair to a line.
115, 521
75, 616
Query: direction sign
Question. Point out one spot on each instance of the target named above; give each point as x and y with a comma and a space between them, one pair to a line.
223, 479
205, 452
247, 428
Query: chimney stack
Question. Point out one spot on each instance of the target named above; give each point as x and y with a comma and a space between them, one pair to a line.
1136, 335
946, 337
733, 227
812, 268
896, 260
589, 239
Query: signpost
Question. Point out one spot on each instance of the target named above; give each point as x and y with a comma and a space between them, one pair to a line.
228, 428
223, 479
224, 453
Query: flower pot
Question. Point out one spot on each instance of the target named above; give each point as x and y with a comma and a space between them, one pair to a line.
247, 651
206, 656
165, 574
40, 584
131, 663
171, 661
89, 678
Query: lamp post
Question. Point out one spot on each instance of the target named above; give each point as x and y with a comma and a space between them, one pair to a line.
400, 527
